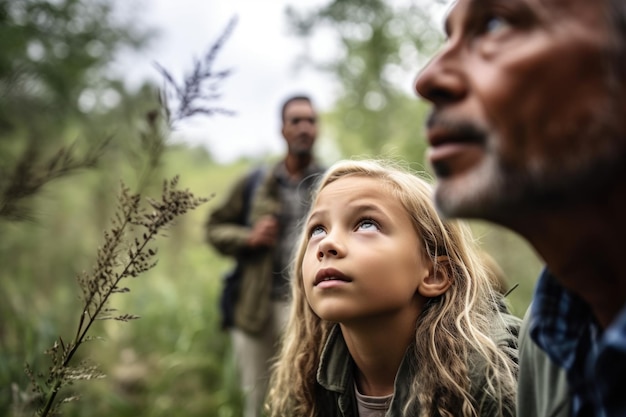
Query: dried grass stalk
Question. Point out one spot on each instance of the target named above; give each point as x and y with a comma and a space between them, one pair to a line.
127, 252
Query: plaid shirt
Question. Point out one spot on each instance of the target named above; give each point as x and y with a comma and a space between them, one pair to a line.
564, 327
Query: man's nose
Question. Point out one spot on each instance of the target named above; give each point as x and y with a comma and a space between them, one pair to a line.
306, 124
442, 80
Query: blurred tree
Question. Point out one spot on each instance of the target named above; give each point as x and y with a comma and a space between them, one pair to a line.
52, 53
381, 46
53, 57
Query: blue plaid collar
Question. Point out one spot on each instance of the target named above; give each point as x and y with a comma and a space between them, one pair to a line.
560, 321
563, 326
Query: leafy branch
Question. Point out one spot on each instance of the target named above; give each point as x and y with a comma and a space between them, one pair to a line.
32, 172
116, 260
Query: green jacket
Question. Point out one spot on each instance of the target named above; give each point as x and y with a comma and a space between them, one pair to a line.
335, 376
542, 387
228, 232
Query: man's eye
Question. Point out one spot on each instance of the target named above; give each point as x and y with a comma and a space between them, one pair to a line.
496, 24
297, 120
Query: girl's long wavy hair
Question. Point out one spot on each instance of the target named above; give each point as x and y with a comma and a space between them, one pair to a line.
453, 331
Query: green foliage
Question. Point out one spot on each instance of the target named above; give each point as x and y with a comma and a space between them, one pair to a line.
28, 178
53, 54
515, 256
393, 133
380, 44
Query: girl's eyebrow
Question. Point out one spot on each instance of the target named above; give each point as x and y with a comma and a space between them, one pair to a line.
350, 208
367, 207
314, 214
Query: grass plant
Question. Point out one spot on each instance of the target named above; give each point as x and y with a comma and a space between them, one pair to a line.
127, 252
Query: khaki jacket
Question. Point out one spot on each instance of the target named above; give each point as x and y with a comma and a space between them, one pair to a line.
542, 388
228, 233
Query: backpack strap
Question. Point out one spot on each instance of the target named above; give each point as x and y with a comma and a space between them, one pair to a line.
230, 290
252, 183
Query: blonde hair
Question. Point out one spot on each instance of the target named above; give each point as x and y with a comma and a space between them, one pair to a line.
453, 332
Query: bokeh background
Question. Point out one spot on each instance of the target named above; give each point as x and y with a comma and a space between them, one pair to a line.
80, 113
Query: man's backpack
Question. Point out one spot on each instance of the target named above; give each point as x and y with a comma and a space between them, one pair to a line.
232, 279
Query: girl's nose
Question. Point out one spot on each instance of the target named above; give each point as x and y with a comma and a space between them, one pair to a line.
330, 246
328, 252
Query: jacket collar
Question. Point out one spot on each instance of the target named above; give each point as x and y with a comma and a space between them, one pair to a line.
281, 174
336, 373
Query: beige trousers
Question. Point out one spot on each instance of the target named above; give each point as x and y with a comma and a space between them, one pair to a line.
254, 354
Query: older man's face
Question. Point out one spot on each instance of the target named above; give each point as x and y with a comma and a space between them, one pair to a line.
525, 106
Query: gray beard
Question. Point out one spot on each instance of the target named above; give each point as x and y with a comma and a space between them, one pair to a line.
495, 191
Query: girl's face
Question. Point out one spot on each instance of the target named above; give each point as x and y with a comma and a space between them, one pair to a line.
363, 259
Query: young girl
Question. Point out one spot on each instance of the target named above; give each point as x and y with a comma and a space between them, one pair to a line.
393, 312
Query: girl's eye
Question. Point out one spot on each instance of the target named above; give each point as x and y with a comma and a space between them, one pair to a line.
316, 231
368, 224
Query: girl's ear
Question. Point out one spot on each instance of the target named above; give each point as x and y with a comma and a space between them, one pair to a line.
438, 279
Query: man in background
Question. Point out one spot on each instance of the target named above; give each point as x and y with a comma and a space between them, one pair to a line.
257, 223
528, 131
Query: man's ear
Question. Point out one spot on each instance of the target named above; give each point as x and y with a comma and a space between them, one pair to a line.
438, 279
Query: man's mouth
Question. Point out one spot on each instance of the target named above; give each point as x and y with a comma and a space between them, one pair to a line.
452, 143
443, 131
